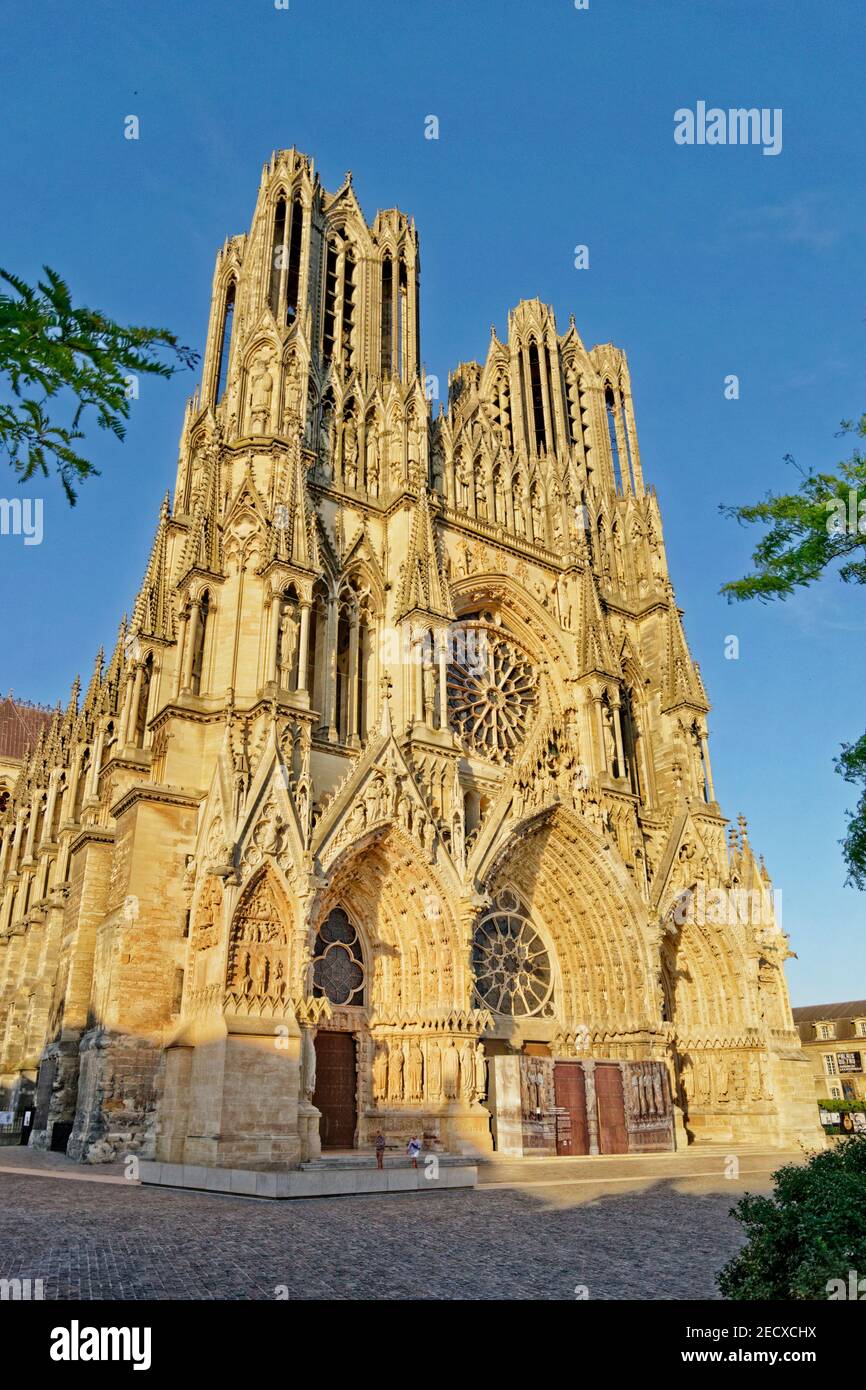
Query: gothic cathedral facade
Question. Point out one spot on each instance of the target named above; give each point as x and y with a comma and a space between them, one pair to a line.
393, 801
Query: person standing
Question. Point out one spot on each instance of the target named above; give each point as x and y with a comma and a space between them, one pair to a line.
380, 1149
413, 1148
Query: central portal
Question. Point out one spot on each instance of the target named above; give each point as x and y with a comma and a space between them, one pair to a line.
336, 1089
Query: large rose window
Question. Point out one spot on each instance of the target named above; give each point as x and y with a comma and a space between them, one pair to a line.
510, 962
492, 689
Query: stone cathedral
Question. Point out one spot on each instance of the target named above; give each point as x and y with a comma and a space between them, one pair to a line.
392, 807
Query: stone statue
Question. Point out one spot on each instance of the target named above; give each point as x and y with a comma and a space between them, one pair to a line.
308, 1064
380, 1073
395, 1072
292, 406
350, 452
373, 462
261, 394
288, 645
451, 1071
415, 1073
480, 1066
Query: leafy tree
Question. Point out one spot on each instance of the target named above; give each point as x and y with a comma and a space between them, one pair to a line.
48, 346
822, 523
811, 1230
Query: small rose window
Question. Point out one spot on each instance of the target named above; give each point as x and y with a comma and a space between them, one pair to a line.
338, 965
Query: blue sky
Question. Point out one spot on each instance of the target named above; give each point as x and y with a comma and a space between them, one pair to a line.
556, 129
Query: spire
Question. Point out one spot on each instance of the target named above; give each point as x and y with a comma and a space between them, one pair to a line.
152, 614
203, 550
111, 682
72, 707
292, 535
683, 685
423, 586
95, 681
595, 653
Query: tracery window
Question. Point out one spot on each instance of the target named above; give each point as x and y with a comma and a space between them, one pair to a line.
293, 273
537, 400
338, 964
277, 256
387, 315
330, 319
225, 340
197, 671
512, 970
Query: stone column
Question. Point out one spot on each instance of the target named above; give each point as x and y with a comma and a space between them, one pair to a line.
123, 735
443, 681
303, 647
418, 678
192, 634
599, 731
617, 733
705, 749
96, 760
181, 653
330, 671
132, 715
50, 804
622, 447
352, 694
272, 636
591, 1107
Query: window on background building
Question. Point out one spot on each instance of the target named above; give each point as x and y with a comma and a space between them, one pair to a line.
830, 1064
835, 1093
826, 1031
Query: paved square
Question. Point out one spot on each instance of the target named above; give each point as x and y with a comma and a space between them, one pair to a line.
635, 1228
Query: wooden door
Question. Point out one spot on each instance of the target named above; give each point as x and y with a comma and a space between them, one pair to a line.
569, 1087
612, 1132
336, 1087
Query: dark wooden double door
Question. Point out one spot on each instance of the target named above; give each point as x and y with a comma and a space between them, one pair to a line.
569, 1088
336, 1089
572, 1129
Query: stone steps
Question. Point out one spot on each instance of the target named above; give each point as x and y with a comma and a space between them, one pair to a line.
317, 1179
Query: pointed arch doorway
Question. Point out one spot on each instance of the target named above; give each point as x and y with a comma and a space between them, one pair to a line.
339, 976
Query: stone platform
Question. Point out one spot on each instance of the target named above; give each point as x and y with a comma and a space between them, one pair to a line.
328, 1177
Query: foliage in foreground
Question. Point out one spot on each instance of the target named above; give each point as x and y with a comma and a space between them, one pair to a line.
821, 524
48, 346
811, 1230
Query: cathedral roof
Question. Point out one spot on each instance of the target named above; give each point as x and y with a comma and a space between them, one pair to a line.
21, 723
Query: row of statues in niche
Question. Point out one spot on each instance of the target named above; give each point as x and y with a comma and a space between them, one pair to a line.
406, 1071
257, 974
713, 1077
381, 459
648, 1092
342, 457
